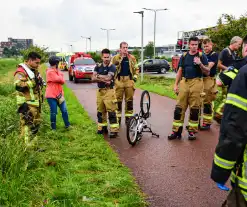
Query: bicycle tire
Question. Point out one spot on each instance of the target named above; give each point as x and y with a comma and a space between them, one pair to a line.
128, 128
145, 113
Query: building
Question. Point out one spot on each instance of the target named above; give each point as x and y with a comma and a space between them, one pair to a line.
20, 43
25, 43
6, 44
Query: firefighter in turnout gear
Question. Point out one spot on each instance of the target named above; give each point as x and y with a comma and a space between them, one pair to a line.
224, 79
126, 75
230, 158
227, 57
28, 85
106, 98
210, 87
192, 65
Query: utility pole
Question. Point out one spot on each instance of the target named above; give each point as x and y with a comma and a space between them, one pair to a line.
142, 14
155, 11
90, 39
107, 31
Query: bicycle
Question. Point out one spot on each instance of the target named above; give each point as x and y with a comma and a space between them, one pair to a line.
138, 124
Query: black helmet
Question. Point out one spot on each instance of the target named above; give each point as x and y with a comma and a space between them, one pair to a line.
54, 60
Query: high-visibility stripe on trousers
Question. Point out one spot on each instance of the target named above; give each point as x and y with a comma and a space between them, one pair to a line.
107, 105
189, 95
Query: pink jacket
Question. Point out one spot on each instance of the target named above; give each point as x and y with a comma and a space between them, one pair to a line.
55, 80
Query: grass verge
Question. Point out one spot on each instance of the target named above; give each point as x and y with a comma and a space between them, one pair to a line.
164, 86
158, 84
77, 168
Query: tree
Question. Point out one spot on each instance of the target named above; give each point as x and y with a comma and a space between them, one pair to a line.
6, 52
227, 27
95, 56
41, 51
149, 50
14, 51
137, 53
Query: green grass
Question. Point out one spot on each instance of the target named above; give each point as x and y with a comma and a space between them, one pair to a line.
7, 65
164, 87
158, 84
77, 168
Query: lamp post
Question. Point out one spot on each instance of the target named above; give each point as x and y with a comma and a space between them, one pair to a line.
107, 30
142, 14
90, 39
87, 38
155, 11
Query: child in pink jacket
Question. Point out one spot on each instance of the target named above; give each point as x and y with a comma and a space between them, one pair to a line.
54, 92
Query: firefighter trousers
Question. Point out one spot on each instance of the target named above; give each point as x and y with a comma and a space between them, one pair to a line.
210, 90
219, 110
29, 124
125, 87
107, 104
190, 91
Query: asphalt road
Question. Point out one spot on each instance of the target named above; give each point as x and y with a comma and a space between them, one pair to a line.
172, 173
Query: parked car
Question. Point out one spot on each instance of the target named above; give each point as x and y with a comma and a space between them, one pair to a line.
155, 65
81, 68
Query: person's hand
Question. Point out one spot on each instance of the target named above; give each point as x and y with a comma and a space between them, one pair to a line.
107, 83
176, 89
222, 187
135, 78
197, 60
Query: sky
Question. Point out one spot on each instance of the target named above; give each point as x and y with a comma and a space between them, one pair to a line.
57, 24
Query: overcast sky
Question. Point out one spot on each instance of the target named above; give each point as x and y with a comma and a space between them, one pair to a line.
60, 23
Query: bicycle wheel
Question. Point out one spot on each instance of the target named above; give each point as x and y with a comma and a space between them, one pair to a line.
132, 133
145, 103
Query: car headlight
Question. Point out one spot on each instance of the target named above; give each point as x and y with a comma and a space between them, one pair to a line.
82, 69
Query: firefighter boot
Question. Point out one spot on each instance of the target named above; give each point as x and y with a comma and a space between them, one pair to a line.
126, 120
101, 129
205, 127
192, 136
175, 135
105, 130
113, 134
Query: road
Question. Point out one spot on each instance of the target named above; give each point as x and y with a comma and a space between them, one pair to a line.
167, 74
172, 173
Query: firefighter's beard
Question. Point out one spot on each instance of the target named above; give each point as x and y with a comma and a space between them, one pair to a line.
106, 62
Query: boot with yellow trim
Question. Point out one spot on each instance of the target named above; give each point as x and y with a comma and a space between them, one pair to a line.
100, 130
176, 135
191, 135
113, 135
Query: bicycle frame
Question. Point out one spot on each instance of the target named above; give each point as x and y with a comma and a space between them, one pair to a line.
142, 124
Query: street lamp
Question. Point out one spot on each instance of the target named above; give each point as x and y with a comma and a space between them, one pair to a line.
155, 11
90, 39
87, 38
142, 13
71, 48
107, 30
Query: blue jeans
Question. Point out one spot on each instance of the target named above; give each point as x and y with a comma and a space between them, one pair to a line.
53, 107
